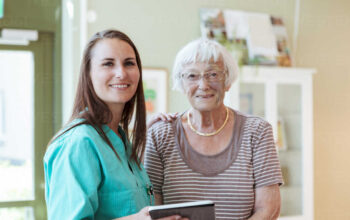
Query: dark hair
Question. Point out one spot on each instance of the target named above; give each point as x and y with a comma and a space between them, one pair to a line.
95, 112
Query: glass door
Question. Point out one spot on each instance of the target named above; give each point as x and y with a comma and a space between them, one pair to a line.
26, 125
281, 102
252, 99
289, 144
16, 131
283, 97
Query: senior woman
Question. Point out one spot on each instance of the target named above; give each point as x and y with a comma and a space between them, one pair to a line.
211, 151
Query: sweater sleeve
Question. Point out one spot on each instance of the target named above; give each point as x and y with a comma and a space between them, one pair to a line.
72, 178
153, 161
266, 165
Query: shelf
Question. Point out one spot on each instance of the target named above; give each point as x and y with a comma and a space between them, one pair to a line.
283, 96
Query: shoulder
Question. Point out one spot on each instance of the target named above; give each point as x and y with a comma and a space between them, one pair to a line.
73, 141
161, 136
252, 122
77, 133
253, 127
161, 128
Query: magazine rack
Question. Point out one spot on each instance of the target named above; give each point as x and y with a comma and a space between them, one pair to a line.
283, 96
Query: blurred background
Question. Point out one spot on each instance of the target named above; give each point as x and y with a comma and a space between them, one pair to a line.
307, 98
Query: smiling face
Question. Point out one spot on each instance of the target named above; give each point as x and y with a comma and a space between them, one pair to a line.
202, 94
114, 71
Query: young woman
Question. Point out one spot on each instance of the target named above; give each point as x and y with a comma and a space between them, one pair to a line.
92, 170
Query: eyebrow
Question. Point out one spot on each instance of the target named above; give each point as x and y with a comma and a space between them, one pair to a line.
107, 59
130, 58
112, 59
214, 67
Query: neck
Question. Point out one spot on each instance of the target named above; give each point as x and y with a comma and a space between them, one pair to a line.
208, 119
208, 123
117, 111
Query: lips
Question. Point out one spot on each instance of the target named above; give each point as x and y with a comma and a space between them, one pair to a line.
119, 86
205, 96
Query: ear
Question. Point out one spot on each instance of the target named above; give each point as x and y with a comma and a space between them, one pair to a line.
227, 88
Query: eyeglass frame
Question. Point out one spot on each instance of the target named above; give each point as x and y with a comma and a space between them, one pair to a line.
204, 75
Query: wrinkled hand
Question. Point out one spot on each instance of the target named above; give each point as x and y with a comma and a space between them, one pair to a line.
143, 214
167, 117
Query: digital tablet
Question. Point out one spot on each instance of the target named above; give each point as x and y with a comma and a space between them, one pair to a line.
199, 210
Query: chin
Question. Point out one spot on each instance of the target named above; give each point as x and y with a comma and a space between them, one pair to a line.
205, 108
118, 101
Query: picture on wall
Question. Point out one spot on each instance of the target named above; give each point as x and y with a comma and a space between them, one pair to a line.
252, 38
155, 89
1, 8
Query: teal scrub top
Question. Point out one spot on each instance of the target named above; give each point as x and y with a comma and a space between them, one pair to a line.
84, 179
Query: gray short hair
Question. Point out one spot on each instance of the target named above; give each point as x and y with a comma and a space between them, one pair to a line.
203, 50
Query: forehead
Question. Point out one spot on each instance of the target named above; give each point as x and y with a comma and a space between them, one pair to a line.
112, 48
200, 66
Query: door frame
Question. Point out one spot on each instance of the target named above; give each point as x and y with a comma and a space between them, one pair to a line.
47, 113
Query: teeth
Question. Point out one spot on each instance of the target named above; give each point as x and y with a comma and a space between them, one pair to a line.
119, 86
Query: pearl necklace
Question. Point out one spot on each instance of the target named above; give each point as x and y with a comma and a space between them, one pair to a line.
207, 134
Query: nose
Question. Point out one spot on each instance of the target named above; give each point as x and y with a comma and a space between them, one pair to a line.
203, 83
119, 72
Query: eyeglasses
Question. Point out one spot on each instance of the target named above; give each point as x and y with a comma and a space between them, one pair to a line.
210, 76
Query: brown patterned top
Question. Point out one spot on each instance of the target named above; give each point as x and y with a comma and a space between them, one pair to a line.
229, 178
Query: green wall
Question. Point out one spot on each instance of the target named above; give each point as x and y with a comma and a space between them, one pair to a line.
43, 15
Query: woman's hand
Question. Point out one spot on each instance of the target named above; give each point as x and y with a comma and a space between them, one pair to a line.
167, 117
143, 214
